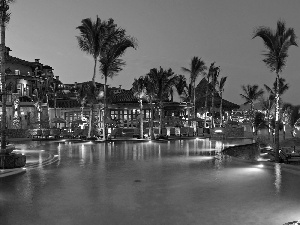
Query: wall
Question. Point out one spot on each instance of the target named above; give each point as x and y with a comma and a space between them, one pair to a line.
15, 66
247, 152
234, 132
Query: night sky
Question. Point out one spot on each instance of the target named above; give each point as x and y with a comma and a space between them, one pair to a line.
169, 33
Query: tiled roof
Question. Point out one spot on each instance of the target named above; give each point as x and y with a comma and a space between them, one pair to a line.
65, 103
126, 96
16, 60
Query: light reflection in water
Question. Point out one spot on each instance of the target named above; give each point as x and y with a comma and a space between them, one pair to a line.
40, 159
159, 152
277, 177
187, 149
134, 152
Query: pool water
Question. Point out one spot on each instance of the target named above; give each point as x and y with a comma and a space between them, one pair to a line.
172, 182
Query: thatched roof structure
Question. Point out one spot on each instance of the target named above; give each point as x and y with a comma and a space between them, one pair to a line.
200, 97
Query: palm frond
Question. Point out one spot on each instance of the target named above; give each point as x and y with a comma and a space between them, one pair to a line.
277, 44
222, 83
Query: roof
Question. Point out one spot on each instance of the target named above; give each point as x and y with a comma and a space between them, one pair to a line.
64, 103
126, 96
200, 97
16, 60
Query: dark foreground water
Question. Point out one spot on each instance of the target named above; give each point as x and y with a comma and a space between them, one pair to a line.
175, 182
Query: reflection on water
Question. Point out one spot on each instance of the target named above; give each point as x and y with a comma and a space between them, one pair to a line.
277, 177
172, 182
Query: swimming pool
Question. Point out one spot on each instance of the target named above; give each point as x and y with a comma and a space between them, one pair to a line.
172, 182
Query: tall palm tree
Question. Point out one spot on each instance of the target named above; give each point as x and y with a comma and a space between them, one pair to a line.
111, 64
277, 44
89, 94
139, 91
161, 81
89, 40
150, 86
4, 20
214, 75
251, 94
221, 85
285, 115
267, 105
208, 76
197, 67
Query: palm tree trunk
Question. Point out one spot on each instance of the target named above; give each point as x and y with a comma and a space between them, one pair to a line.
94, 74
151, 121
221, 114
283, 131
142, 117
160, 118
205, 106
277, 120
3, 81
90, 120
194, 122
104, 112
99, 116
269, 124
194, 99
55, 105
252, 118
213, 105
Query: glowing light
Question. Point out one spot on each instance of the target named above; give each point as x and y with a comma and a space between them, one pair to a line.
218, 131
278, 177
260, 166
55, 155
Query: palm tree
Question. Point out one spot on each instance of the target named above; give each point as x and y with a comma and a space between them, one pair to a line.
4, 18
197, 67
111, 63
208, 76
267, 105
251, 94
139, 91
214, 75
161, 81
150, 86
88, 93
90, 38
277, 44
286, 112
221, 85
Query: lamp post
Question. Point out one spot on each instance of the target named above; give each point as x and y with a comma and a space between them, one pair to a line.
3, 13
